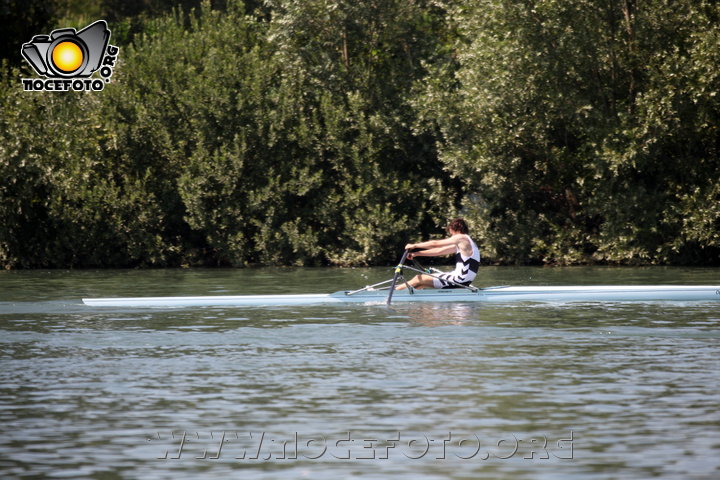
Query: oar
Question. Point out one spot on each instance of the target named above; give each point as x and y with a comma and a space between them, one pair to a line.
398, 272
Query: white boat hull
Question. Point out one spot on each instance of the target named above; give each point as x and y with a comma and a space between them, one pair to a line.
621, 293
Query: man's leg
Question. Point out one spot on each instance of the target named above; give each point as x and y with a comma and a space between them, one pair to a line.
419, 282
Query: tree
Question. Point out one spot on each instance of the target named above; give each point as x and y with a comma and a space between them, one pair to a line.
555, 122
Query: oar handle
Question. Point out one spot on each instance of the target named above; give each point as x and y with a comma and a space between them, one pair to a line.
398, 271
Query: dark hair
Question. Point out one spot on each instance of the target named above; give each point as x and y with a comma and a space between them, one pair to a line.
458, 225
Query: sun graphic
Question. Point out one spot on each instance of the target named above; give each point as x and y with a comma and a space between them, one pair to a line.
67, 56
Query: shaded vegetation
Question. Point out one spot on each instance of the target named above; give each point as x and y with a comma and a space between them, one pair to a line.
313, 132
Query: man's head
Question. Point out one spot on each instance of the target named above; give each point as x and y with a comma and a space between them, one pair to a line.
457, 225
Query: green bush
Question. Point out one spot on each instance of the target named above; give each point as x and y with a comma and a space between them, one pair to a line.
314, 132
584, 131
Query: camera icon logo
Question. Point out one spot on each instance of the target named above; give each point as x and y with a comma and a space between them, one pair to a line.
67, 59
66, 53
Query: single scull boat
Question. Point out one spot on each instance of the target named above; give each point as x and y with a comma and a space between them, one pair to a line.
623, 293
378, 293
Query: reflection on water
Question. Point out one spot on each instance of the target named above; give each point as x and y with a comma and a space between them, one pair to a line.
413, 391
438, 314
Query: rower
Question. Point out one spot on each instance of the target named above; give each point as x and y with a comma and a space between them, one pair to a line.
467, 258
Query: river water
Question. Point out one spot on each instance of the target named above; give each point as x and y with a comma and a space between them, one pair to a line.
432, 391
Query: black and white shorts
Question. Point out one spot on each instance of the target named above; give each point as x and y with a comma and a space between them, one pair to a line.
450, 280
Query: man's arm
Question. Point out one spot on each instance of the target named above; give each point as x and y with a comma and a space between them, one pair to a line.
445, 242
433, 248
433, 252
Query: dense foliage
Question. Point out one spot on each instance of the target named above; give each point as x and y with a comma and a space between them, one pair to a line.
586, 130
334, 131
